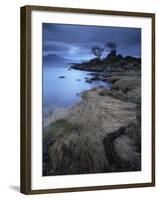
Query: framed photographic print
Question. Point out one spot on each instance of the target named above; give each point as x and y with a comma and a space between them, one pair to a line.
87, 99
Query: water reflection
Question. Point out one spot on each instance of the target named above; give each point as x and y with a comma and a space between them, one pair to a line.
61, 86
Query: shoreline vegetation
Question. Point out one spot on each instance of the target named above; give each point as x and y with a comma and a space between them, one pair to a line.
102, 133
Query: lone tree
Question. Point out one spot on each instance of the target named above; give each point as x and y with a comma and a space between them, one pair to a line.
111, 46
97, 51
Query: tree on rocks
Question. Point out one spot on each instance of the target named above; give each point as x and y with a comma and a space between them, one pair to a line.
111, 47
97, 51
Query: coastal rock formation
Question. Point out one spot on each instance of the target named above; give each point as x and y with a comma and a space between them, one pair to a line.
112, 63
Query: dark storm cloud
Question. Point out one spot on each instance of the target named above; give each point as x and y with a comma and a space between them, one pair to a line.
75, 41
55, 46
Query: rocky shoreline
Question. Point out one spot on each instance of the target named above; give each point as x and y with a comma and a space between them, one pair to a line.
103, 132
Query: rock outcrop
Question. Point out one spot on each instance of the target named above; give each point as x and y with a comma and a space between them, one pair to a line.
112, 63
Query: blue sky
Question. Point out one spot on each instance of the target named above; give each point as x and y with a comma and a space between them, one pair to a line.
74, 42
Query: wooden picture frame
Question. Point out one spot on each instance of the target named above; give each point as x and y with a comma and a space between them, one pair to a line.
27, 106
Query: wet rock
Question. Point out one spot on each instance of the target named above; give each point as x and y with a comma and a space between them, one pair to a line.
88, 81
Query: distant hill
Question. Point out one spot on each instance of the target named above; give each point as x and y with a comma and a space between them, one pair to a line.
52, 59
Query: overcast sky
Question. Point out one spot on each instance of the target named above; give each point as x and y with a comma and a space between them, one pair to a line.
75, 41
